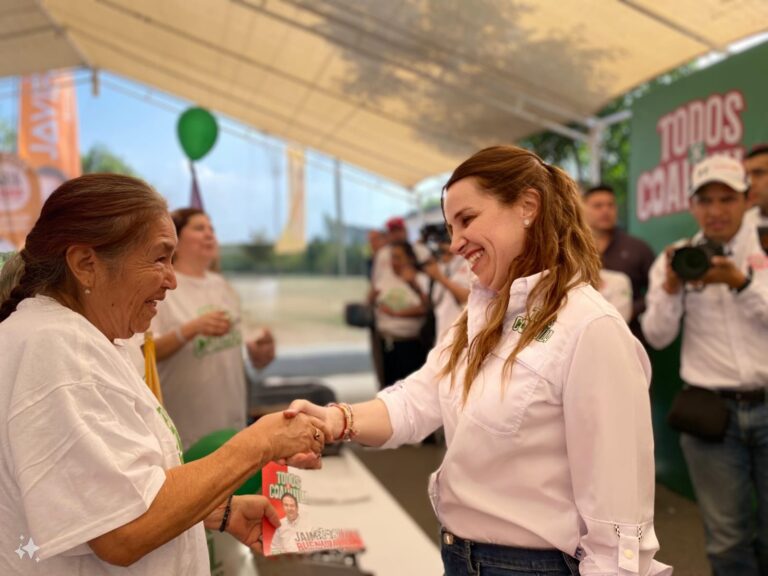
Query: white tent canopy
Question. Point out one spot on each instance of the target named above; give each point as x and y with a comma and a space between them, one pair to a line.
403, 88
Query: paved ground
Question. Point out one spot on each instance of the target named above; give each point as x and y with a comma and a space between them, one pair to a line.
301, 310
404, 473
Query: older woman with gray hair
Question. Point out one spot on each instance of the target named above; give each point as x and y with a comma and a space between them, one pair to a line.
92, 479
10, 273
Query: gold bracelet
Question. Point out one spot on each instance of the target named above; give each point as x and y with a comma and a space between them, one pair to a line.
349, 431
344, 415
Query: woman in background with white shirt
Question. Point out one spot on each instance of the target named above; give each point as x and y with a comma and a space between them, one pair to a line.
199, 339
541, 388
401, 307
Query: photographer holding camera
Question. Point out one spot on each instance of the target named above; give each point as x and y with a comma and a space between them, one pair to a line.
707, 286
450, 278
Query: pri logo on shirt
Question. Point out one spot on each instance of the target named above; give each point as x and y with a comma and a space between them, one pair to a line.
522, 321
30, 548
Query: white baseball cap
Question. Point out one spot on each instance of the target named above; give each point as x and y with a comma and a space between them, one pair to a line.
723, 169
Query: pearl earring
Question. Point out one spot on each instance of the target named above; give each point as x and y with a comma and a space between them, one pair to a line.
87, 291
526, 223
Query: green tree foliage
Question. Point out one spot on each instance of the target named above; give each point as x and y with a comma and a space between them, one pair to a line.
98, 159
429, 203
320, 256
101, 159
7, 137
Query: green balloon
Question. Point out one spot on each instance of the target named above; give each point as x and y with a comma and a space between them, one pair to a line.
212, 442
197, 131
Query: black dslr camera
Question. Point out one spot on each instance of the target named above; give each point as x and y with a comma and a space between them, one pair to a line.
433, 235
692, 262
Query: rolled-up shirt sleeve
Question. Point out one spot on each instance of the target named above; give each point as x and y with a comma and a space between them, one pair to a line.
661, 320
414, 403
610, 450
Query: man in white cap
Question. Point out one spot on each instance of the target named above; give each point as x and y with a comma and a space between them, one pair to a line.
724, 311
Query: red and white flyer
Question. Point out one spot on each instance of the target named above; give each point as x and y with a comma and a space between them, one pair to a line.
298, 532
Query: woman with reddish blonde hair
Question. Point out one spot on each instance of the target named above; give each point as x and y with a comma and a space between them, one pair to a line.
541, 388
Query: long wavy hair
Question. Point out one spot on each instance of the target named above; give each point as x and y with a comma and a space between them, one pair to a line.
558, 241
108, 212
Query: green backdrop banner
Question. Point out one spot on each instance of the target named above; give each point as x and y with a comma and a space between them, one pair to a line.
722, 109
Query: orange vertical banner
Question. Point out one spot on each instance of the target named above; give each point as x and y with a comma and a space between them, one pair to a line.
48, 129
294, 237
20, 201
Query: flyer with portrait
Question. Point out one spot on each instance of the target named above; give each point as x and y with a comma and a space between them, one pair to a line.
298, 531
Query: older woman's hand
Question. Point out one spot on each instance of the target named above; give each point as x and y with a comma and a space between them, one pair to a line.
288, 437
245, 519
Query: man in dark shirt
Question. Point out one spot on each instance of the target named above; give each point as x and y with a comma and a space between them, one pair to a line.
619, 251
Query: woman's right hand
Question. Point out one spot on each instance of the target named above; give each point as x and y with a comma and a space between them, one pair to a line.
288, 436
331, 416
214, 323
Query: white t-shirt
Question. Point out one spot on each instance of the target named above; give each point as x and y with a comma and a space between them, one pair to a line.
203, 383
284, 539
753, 221
447, 309
84, 448
131, 348
382, 260
755, 217
616, 287
398, 295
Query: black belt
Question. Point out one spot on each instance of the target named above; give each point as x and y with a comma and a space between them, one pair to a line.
756, 396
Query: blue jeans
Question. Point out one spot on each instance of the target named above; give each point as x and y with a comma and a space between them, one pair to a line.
729, 477
465, 558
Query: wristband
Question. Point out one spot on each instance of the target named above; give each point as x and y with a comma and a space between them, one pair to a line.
344, 415
349, 431
225, 518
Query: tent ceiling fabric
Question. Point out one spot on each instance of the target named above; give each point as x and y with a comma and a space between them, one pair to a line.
403, 88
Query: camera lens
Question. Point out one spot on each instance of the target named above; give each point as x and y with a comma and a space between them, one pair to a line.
690, 262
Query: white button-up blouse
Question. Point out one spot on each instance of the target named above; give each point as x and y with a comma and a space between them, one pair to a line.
556, 454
